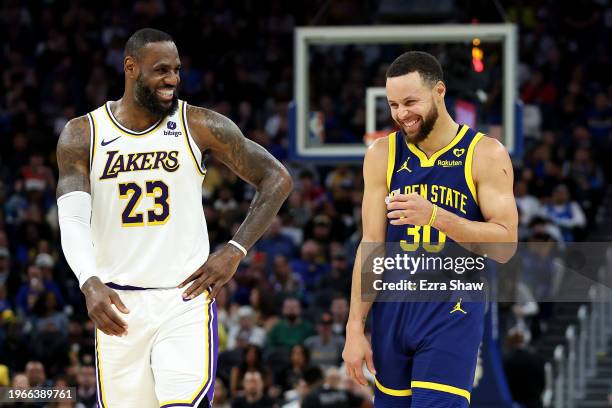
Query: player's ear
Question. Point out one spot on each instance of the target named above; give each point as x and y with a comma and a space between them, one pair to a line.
440, 89
130, 67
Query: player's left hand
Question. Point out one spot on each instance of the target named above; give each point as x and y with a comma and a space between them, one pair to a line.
216, 272
409, 209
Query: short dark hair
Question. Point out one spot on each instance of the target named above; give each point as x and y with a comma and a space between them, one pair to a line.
417, 61
312, 375
143, 37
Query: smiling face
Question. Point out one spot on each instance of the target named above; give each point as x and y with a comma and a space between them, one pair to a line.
157, 77
413, 104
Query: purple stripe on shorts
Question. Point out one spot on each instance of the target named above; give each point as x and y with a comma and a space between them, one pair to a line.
213, 355
208, 389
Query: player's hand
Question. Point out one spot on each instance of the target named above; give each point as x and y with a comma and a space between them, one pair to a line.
216, 272
99, 299
409, 209
357, 349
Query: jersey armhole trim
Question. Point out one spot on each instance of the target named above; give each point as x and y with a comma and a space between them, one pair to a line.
188, 139
92, 139
391, 159
469, 177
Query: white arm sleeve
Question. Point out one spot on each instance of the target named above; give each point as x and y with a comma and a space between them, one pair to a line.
74, 213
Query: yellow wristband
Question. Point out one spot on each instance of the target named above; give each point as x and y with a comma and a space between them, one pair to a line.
434, 212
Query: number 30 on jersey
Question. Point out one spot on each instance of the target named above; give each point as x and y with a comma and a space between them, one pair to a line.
158, 215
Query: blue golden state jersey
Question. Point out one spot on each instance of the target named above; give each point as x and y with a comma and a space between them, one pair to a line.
425, 345
444, 179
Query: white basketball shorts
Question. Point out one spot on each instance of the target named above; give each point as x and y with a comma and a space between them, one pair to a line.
167, 359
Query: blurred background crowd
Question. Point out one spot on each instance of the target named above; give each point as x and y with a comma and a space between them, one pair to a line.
281, 320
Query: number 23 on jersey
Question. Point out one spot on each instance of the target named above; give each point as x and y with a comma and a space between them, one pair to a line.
132, 192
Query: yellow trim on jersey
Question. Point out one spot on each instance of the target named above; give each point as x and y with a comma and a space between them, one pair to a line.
391, 159
183, 115
429, 162
391, 391
207, 359
93, 139
441, 387
469, 179
99, 368
126, 131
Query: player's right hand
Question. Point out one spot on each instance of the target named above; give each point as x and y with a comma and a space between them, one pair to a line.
99, 299
357, 349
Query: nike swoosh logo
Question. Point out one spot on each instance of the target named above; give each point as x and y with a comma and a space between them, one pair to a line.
104, 143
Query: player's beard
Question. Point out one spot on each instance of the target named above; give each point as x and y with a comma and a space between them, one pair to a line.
147, 98
429, 121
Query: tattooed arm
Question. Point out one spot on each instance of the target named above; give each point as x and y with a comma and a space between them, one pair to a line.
74, 210
73, 157
250, 161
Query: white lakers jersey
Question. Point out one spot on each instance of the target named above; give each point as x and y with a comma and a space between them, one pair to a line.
147, 220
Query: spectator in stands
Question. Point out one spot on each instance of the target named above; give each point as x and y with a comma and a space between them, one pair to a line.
6, 278
321, 230
288, 377
524, 371
46, 263
528, 205
542, 268
33, 289
35, 371
220, 399
338, 279
86, 386
254, 396
49, 318
37, 176
542, 225
284, 281
310, 266
251, 362
263, 306
588, 179
226, 203
291, 330
339, 310
20, 381
321, 395
326, 347
275, 242
311, 192
246, 330
599, 118
299, 212
566, 213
